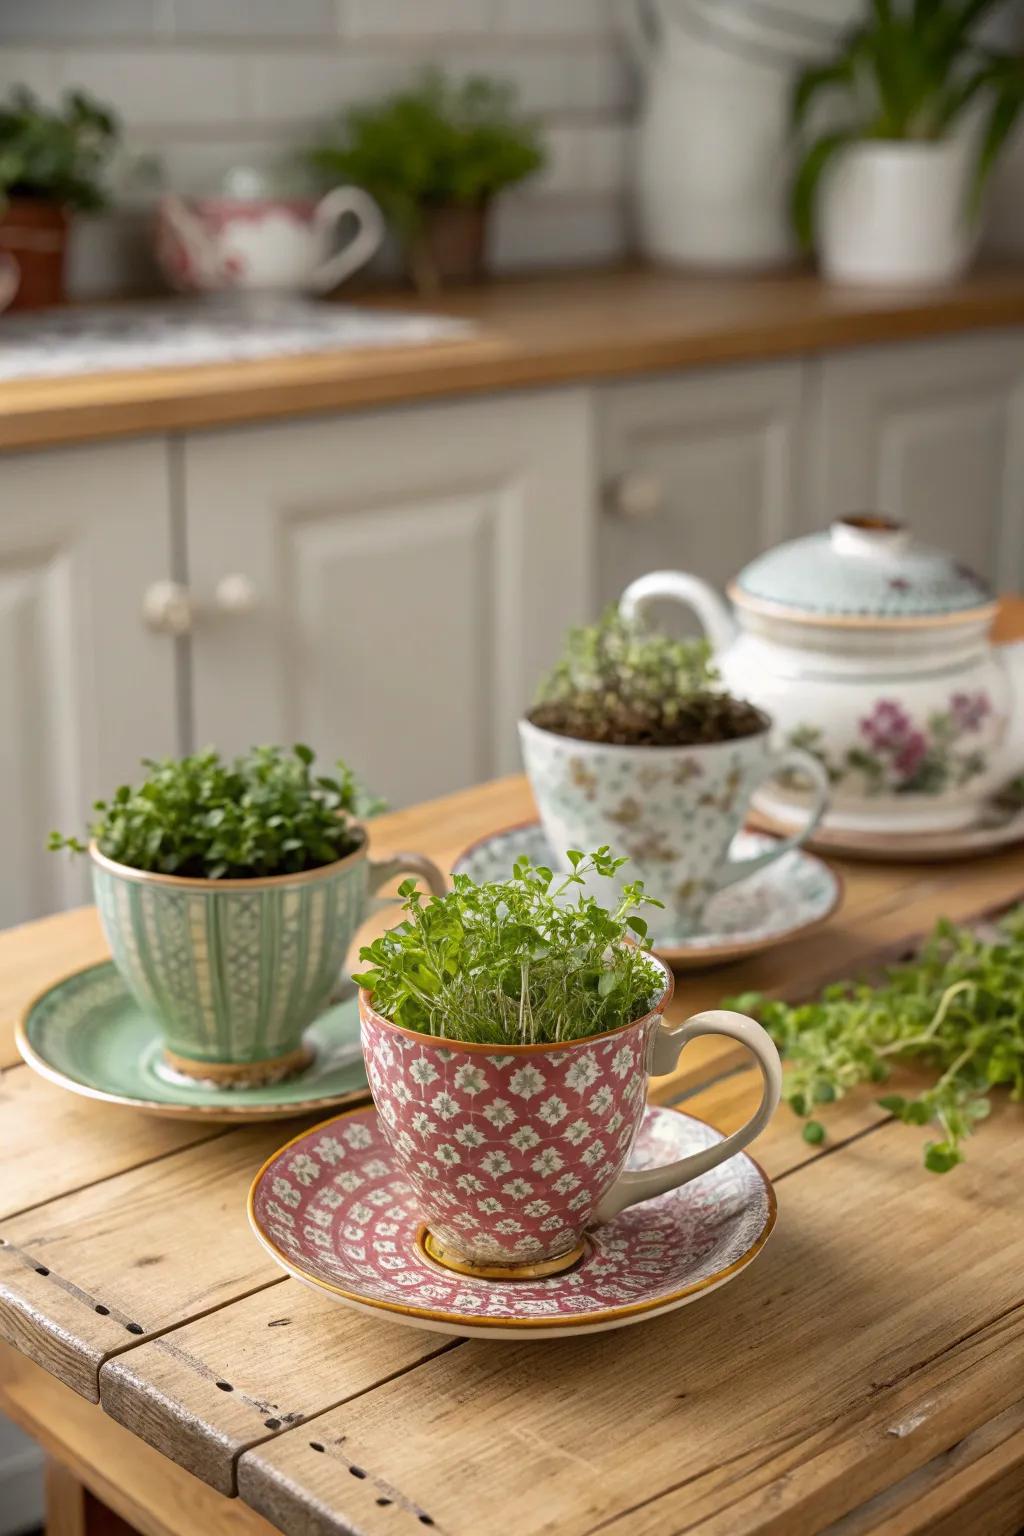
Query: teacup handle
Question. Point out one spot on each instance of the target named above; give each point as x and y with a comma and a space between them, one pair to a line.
630, 1188
383, 870
793, 757
363, 244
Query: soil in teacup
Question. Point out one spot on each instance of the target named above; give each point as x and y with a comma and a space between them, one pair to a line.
700, 720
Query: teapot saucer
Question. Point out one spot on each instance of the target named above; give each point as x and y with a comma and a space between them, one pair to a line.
994, 827
776, 904
333, 1210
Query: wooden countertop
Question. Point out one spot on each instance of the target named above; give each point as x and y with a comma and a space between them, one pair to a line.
865, 1375
566, 329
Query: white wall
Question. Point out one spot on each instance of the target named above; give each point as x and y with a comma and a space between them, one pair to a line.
206, 84
21, 1481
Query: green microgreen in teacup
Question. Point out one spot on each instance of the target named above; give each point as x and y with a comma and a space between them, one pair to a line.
513, 962
265, 813
957, 1009
619, 683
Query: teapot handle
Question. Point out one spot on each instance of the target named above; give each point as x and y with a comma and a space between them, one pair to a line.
714, 616
369, 234
194, 238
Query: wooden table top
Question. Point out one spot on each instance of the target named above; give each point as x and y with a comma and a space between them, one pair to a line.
569, 328
865, 1375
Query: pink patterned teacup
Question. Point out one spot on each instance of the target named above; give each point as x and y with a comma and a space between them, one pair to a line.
513, 1153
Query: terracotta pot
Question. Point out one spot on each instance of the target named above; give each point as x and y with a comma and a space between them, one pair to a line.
451, 246
35, 233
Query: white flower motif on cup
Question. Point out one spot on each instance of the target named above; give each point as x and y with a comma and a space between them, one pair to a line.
375, 1169
614, 1121
304, 1168
445, 1106
583, 1071
553, 1110
622, 1060
448, 1154
552, 1224
287, 1192
423, 1072
328, 1150
567, 1182
465, 1219
524, 1138
495, 1163
348, 1180
280, 1214
547, 1162
578, 1201
400, 1092
536, 1209
594, 1153
490, 1206
526, 1082
577, 1132
600, 1100
507, 1226
315, 1235
382, 1245
470, 1079
356, 1135
469, 1136
500, 1113
427, 1170
422, 1124
517, 1189
388, 1228
469, 1183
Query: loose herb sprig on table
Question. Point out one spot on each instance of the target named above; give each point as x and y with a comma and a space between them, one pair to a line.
512, 962
266, 813
957, 1009
620, 683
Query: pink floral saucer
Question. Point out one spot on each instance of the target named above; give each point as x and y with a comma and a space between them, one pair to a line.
333, 1211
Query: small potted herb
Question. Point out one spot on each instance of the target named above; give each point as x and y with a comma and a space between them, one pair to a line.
51, 164
229, 893
435, 157
508, 1030
632, 741
891, 188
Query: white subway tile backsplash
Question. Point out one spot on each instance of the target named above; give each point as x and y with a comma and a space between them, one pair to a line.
160, 85
606, 149
299, 86
558, 231
542, 18
34, 67
79, 20
421, 19
254, 19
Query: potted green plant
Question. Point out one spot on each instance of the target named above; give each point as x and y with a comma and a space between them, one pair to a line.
508, 1029
891, 190
51, 163
434, 157
229, 893
633, 741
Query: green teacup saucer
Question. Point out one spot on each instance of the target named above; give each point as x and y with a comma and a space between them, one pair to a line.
87, 1034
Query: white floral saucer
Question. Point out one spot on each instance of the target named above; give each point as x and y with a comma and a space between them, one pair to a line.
778, 903
995, 827
333, 1210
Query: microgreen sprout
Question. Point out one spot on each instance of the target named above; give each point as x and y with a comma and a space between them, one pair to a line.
528, 960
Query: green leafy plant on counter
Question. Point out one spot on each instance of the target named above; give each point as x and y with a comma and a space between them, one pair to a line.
957, 1009
908, 73
266, 813
617, 682
56, 156
514, 963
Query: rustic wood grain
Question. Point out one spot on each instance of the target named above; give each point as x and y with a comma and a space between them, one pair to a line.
284, 1353
862, 1343
151, 1493
532, 332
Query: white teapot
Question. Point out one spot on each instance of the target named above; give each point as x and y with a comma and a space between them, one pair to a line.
873, 653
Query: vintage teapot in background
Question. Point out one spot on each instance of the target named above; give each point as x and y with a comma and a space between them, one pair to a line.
874, 653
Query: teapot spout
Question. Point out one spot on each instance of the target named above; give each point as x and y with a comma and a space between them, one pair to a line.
702, 599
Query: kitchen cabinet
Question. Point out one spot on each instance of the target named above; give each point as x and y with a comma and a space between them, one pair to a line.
85, 689
932, 433
699, 472
407, 577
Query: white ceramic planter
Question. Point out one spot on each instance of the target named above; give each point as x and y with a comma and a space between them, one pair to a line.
897, 214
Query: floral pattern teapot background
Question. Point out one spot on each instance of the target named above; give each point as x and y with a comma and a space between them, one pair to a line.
874, 653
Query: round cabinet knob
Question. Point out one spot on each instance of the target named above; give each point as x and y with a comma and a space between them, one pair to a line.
168, 609
235, 594
636, 494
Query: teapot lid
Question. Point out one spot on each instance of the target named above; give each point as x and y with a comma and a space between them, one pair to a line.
865, 566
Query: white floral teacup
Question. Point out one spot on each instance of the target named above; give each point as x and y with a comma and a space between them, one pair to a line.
673, 811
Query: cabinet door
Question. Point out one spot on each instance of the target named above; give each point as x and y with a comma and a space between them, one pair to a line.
412, 572
933, 434
700, 472
85, 689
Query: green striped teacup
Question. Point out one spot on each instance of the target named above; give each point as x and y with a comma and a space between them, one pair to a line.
235, 970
